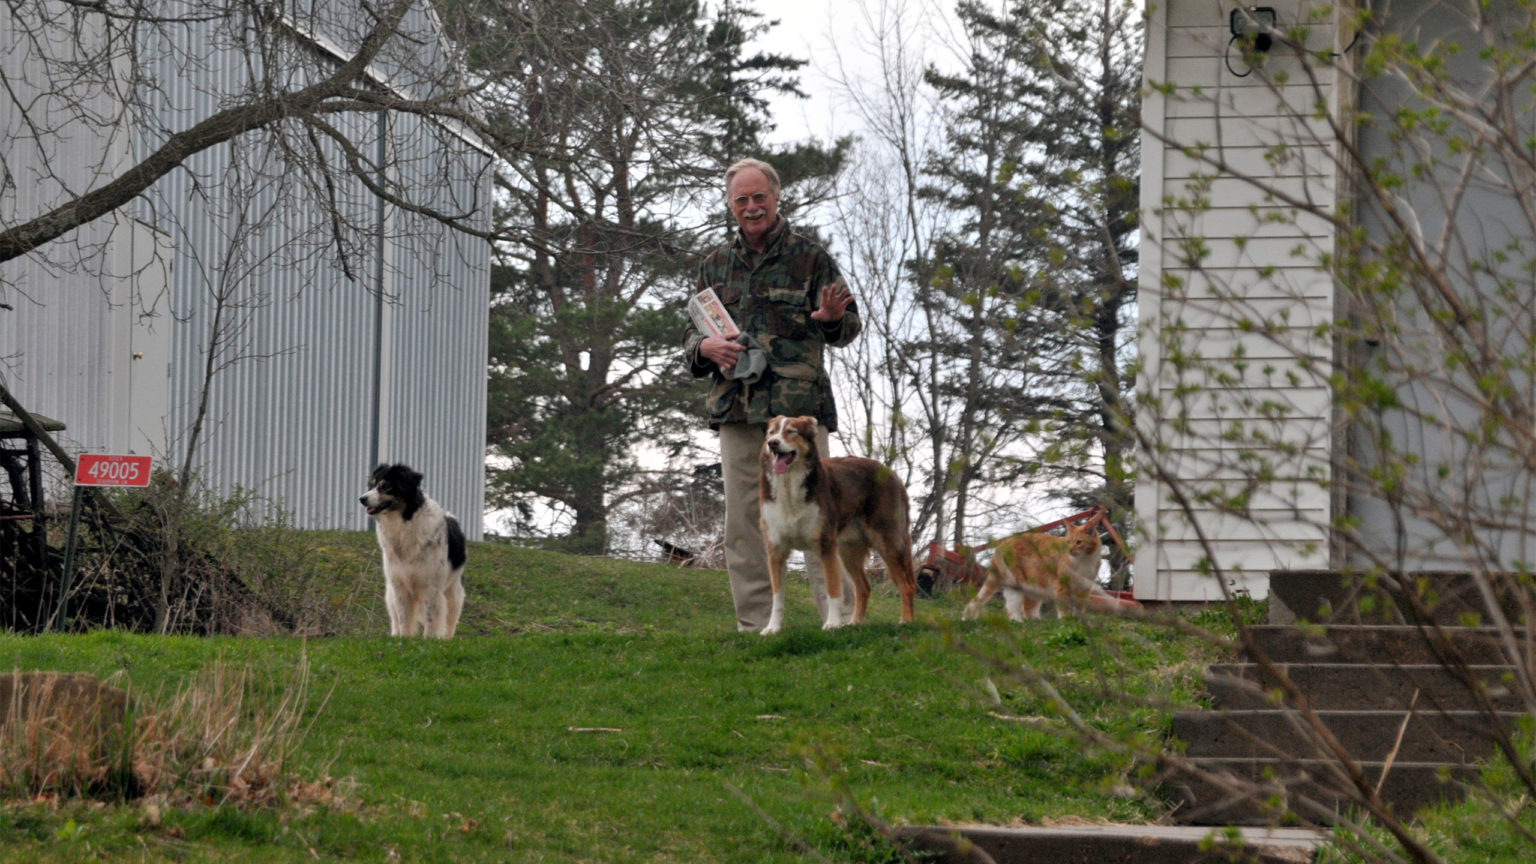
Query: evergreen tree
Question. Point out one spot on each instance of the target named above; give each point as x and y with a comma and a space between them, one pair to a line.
627, 112
1035, 280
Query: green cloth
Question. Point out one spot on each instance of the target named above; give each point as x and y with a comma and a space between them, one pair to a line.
771, 295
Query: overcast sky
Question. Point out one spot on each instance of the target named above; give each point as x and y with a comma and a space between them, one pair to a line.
803, 34
834, 36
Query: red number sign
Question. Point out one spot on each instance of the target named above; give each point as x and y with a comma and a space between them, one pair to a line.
99, 469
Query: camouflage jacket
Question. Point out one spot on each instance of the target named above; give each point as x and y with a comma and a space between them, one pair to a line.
771, 296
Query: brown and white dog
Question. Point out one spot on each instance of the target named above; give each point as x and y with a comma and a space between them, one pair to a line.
834, 508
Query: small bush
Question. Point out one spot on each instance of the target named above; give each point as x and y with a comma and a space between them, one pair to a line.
179, 560
223, 737
1222, 617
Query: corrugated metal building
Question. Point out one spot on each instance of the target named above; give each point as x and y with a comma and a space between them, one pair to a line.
314, 328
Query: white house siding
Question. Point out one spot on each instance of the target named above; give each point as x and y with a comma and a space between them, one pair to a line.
1464, 500
1219, 395
333, 366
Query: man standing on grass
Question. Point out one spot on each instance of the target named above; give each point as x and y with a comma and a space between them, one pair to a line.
789, 299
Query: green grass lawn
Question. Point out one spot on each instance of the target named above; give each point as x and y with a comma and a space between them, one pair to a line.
600, 711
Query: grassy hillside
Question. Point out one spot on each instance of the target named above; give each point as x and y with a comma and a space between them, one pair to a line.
602, 711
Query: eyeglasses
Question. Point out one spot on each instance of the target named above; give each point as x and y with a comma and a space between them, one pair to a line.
758, 198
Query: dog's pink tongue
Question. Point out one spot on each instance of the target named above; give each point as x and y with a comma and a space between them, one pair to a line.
781, 463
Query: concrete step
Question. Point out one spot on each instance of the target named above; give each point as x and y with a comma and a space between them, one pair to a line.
1389, 644
1452, 738
1363, 687
1097, 844
1327, 596
1310, 791
1373, 663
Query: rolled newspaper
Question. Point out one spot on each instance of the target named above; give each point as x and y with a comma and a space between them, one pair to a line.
709, 315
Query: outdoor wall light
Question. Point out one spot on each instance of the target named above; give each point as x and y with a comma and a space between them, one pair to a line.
1253, 24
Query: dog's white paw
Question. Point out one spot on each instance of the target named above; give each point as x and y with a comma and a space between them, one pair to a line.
775, 614
834, 615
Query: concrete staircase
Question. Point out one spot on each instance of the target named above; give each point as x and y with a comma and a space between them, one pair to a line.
1383, 679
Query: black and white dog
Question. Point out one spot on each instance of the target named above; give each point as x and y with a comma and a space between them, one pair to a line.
423, 554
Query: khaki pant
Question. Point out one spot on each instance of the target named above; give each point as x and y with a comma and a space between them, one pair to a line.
741, 445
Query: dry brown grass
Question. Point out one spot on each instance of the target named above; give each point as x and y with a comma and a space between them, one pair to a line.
62, 734
224, 736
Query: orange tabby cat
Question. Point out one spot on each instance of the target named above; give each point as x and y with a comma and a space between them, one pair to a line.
1030, 565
